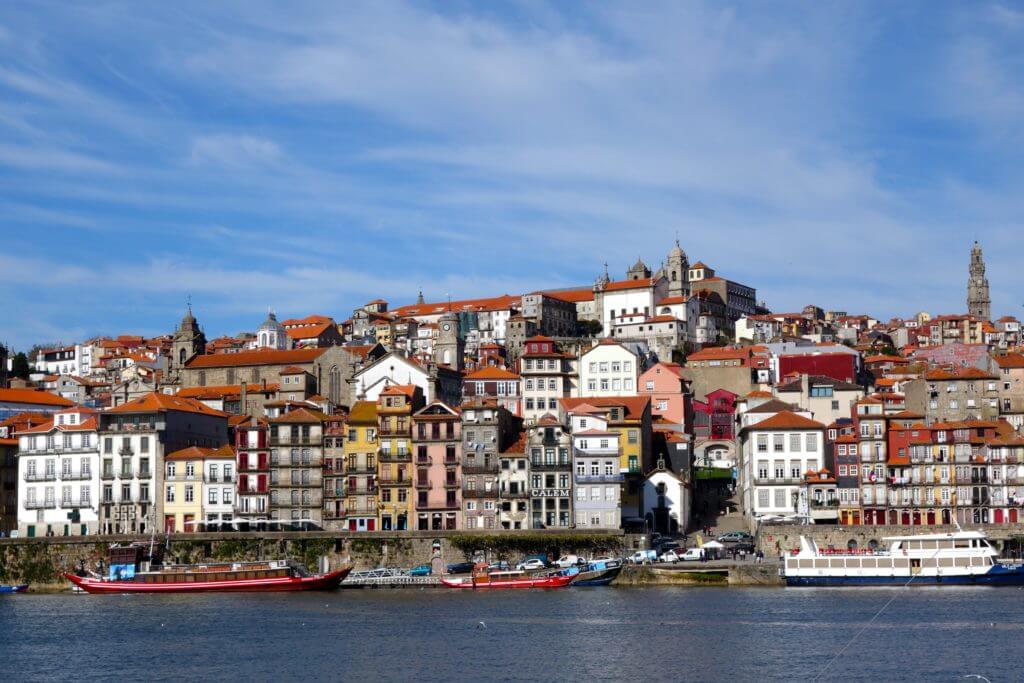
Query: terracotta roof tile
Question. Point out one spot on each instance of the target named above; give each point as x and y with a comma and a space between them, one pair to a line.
33, 396
154, 402
786, 420
259, 357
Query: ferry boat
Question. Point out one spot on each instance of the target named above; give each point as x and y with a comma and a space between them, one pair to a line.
128, 574
483, 578
959, 558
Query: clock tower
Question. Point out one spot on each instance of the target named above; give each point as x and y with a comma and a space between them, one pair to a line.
450, 347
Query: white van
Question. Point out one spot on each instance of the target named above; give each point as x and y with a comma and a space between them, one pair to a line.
692, 555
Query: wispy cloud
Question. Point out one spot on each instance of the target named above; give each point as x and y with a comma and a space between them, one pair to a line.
254, 155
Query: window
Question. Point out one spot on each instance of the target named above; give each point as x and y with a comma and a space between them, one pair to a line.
190, 493
780, 498
212, 496
762, 443
794, 443
169, 495
778, 443
762, 498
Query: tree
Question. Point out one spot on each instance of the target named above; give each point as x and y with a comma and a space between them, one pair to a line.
19, 366
590, 328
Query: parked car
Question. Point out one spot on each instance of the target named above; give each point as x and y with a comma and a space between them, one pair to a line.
692, 555
460, 568
420, 570
566, 561
499, 566
735, 537
666, 546
531, 564
669, 556
642, 556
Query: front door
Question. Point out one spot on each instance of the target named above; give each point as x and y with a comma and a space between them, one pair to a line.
169, 524
187, 525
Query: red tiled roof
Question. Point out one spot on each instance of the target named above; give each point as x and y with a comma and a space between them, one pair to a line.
226, 390
496, 303
259, 357
786, 420
620, 285
156, 402
670, 300
308, 332
292, 370
940, 374
33, 396
572, 295
299, 415
634, 405
491, 372
201, 453
1010, 361
308, 320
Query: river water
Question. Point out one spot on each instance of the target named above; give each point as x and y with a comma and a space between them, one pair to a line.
671, 634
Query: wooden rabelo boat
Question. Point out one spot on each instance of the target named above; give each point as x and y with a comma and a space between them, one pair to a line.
128, 574
482, 578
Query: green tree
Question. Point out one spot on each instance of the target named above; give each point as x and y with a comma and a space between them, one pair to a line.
590, 328
19, 366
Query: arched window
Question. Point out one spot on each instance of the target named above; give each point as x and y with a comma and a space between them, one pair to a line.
673, 276
334, 384
447, 360
181, 357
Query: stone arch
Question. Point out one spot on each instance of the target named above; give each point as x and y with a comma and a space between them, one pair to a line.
851, 544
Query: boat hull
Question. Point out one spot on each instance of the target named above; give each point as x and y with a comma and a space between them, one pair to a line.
999, 575
328, 581
597, 577
538, 582
20, 588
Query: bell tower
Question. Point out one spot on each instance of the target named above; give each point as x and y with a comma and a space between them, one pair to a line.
450, 347
188, 341
978, 302
677, 268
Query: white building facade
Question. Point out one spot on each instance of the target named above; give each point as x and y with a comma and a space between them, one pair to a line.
608, 369
775, 454
58, 476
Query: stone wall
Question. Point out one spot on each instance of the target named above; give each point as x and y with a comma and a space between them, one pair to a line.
41, 561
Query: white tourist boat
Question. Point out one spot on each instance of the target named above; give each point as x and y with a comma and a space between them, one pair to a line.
959, 558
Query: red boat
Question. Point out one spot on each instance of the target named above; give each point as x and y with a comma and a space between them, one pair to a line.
482, 578
270, 575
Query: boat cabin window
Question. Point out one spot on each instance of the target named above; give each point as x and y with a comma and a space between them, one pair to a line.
963, 543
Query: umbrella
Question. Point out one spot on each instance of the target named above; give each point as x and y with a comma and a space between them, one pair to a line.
713, 544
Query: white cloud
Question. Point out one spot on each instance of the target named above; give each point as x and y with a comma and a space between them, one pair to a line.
233, 151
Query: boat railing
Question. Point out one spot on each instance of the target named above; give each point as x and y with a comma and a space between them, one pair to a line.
858, 552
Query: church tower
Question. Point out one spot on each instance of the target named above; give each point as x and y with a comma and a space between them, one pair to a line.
188, 341
271, 334
677, 267
978, 302
450, 347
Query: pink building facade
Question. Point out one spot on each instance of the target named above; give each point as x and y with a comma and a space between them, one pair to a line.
665, 385
437, 451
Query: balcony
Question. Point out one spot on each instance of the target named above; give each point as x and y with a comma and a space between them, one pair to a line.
833, 503
222, 479
38, 476
480, 493
360, 469
294, 441
599, 479
82, 475
424, 485
75, 504
369, 508
541, 466
107, 475
480, 468
452, 483
424, 460
40, 504
361, 490
397, 456
516, 495
395, 432
780, 481
395, 482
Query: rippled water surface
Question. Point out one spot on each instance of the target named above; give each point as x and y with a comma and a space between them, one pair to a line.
925, 634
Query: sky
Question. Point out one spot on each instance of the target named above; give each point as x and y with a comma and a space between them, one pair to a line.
307, 157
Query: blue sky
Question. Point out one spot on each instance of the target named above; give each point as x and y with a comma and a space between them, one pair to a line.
312, 156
